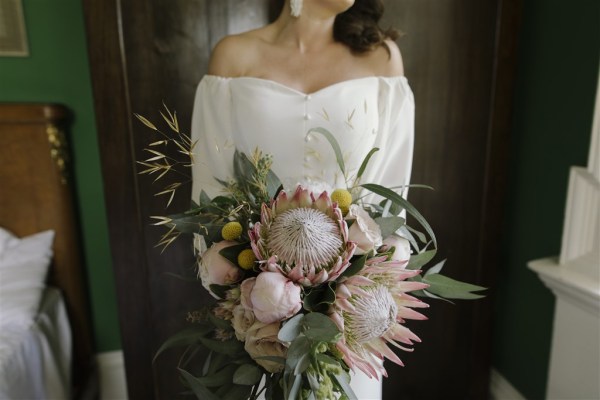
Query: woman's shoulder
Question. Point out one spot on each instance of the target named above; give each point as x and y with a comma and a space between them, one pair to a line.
234, 53
385, 60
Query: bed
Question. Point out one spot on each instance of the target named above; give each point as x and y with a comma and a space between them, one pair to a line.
50, 353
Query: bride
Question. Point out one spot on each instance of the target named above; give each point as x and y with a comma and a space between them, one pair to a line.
322, 63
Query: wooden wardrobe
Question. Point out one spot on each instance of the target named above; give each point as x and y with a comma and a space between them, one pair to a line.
459, 58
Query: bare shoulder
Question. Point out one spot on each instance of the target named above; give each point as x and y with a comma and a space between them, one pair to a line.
395, 65
233, 54
386, 60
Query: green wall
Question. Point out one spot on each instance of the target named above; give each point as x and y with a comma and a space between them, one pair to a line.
57, 71
556, 85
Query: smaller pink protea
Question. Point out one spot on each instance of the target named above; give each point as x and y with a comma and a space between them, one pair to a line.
304, 238
370, 309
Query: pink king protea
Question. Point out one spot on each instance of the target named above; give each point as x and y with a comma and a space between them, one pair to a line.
304, 238
369, 310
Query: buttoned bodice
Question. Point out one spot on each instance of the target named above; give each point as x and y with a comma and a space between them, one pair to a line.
248, 113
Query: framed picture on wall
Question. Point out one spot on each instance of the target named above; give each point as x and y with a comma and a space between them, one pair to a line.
13, 35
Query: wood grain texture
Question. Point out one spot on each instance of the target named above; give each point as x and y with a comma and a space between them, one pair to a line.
144, 53
36, 195
458, 58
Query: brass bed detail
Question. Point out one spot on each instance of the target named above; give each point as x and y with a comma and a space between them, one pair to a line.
34, 196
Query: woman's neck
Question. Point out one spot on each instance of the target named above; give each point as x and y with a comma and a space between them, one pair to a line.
311, 31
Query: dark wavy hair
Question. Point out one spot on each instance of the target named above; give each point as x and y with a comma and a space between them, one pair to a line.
358, 27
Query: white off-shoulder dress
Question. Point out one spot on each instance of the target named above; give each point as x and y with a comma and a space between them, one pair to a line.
246, 113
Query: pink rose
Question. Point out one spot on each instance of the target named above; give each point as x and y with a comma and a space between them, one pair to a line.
261, 340
402, 252
214, 269
364, 231
274, 297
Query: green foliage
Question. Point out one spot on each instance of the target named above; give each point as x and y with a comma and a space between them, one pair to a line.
335, 145
319, 298
402, 202
309, 371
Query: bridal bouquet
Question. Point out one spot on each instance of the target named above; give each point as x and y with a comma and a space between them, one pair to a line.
308, 285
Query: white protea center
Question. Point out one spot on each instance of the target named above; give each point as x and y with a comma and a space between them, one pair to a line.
305, 236
373, 316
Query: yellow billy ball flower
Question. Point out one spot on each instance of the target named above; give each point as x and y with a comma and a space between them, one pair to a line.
246, 259
343, 198
231, 230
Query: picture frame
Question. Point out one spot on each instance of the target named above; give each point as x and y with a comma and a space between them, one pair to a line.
13, 33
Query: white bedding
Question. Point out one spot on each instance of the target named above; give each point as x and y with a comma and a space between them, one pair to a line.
35, 354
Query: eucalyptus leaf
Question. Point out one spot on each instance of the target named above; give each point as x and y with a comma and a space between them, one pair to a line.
229, 347
319, 327
237, 392
436, 269
418, 260
389, 225
405, 233
343, 380
295, 387
449, 288
313, 381
276, 359
219, 378
335, 145
185, 337
204, 200
303, 364
273, 184
419, 234
247, 374
365, 162
393, 209
291, 329
425, 293
218, 361
201, 391
396, 198
298, 348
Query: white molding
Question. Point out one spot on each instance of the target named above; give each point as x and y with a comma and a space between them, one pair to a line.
576, 282
594, 156
111, 370
581, 231
501, 388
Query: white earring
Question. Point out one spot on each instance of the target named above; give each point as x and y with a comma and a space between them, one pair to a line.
296, 6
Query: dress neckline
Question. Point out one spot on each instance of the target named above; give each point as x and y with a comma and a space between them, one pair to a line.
282, 86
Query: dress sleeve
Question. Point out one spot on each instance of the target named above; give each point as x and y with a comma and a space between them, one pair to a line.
391, 166
211, 133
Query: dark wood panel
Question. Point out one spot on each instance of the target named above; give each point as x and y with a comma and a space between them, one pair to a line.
144, 53
458, 56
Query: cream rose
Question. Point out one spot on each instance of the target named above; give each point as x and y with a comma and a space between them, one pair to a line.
261, 340
364, 231
214, 269
274, 297
243, 319
402, 252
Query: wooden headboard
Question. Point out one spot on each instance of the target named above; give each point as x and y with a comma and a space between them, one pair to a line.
36, 195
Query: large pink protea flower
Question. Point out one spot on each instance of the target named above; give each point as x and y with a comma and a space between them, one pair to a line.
304, 238
369, 310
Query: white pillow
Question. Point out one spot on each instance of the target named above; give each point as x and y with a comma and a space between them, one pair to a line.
23, 268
